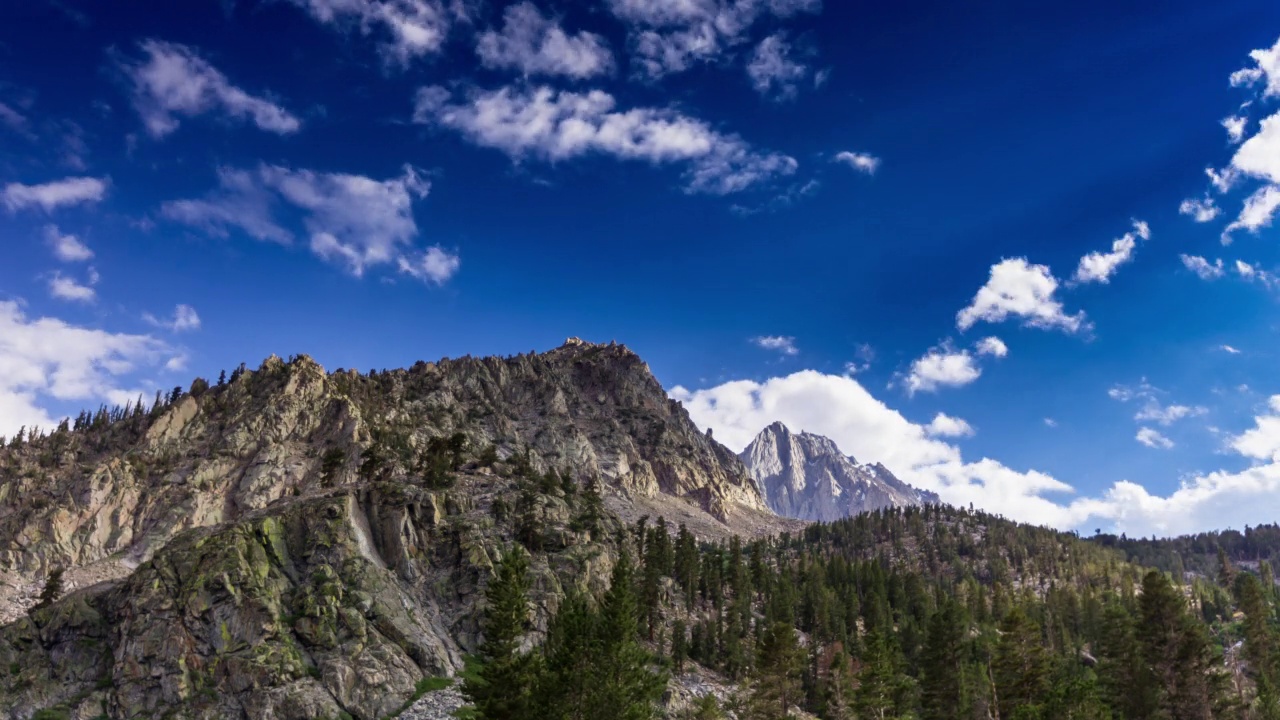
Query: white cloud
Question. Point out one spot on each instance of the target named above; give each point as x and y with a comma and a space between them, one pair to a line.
1222, 180
407, 29
773, 72
864, 354
862, 162
841, 409
992, 346
241, 201
1018, 289
1153, 410
65, 288
1050, 422
1229, 349
436, 265
1266, 67
535, 44
944, 425
669, 36
53, 195
1153, 439
1100, 266
1202, 211
1259, 209
1253, 274
1167, 414
353, 220
941, 367
556, 125
1201, 267
66, 248
174, 81
184, 318
47, 357
1262, 442
1258, 156
784, 344
1235, 127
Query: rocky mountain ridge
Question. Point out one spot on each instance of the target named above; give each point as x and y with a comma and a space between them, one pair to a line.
297, 543
806, 476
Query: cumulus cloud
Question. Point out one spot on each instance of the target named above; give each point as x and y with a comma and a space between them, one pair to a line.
1201, 267
405, 29
184, 319
552, 125
436, 265
1100, 266
1202, 211
1019, 290
1235, 127
47, 358
53, 195
535, 44
670, 36
784, 344
842, 409
1262, 441
352, 220
992, 346
66, 248
67, 288
1153, 439
944, 425
774, 73
862, 162
1266, 69
174, 81
941, 367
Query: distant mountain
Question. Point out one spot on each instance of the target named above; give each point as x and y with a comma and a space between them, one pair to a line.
806, 476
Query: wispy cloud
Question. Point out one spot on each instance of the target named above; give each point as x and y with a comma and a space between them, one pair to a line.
174, 81
53, 195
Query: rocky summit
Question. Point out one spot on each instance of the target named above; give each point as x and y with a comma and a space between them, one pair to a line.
295, 543
806, 476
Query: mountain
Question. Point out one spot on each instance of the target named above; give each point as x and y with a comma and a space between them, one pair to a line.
806, 476
295, 543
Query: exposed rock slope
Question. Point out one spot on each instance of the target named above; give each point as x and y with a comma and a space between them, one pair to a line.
806, 476
299, 544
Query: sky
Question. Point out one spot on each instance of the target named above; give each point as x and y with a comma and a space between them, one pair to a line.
1022, 254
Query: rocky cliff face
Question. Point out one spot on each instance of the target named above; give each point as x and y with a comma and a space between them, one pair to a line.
806, 476
299, 544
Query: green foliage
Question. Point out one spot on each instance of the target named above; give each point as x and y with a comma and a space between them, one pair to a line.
502, 688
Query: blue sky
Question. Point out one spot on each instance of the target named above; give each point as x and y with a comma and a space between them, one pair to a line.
796, 210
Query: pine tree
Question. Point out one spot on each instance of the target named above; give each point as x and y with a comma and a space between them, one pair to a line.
504, 686
627, 681
1020, 667
777, 683
566, 683
941, 686
884, 690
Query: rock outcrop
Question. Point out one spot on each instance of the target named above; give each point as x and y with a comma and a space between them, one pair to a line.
297, 543
806, 476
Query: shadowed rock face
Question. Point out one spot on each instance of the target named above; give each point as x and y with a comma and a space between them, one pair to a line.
278, 548
806, 476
